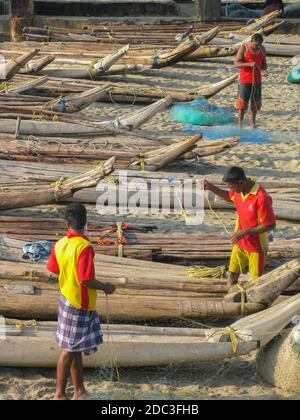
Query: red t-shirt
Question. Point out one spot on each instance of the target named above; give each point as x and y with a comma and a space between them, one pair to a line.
254, 209
246, 73
85, 263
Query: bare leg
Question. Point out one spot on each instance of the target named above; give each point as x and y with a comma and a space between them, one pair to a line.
233, 279
252, 115
63, 372
241, 117
77, 377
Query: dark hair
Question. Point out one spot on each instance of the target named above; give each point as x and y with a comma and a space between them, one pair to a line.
235, 175
257, 38
75, 216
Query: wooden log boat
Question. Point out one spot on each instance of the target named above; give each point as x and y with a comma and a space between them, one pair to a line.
61, 189
100, 67
26, 86
77, 101
35, 66
260, 23
274, 49
211, 51
123, 93
150, 158
194, 298
12, 67
158, 246
68, 126
123, 346
270, 286
131, 345
172, 57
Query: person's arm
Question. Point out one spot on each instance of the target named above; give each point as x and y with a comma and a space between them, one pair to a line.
86, 273
240, 234
216, 190
107, 288
52, 264
239, 61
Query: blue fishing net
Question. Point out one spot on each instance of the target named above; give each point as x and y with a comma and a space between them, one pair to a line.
246, 135
240, 11
294, 76
200, 112
292, 11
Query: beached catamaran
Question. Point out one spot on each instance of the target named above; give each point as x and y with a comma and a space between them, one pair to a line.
32, 344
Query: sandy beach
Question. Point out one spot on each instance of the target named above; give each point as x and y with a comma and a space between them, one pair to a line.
280, 159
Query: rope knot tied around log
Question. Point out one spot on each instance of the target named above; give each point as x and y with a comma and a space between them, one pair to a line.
57, 187
232, 335
120, 240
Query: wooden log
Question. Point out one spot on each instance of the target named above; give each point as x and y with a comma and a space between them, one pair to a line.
44, 305
27, 86
35, 66
15, 65
56, 192
269, 287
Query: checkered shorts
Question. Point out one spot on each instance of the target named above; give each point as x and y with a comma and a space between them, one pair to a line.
78, 331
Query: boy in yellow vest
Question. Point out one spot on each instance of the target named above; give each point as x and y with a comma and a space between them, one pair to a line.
79, 328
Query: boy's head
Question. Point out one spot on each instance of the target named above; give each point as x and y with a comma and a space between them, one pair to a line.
236, 179
75, 216
257, 40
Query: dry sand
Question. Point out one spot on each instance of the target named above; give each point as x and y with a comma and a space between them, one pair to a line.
234, 378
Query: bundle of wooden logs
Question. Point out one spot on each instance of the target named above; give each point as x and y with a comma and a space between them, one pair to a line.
146, 290
139, 241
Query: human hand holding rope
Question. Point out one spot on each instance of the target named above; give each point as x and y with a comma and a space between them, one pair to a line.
238, 235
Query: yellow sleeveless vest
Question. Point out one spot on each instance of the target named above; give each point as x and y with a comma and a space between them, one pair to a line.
67, 252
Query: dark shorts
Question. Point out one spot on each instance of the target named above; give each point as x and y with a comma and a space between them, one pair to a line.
247, 92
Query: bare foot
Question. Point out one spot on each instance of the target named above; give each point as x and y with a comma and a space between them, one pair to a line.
59, 397
81, 394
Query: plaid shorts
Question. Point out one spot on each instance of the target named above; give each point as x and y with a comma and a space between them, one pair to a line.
77, 331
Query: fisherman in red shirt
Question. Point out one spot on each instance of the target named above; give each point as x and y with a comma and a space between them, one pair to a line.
79, 329
255, 220
251, 60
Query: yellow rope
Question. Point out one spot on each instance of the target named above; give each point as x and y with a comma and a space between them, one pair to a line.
232, 335
26, 324
243, 291
120, 236
108, 33
29, 276
57, 187
243, 294
114, 366
91, 67
5, 86
207, 272
142, 161
226, 330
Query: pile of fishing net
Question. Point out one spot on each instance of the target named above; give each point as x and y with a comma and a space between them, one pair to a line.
200, 112
294, 76
240, 11
279, 362
246, 135
292, 11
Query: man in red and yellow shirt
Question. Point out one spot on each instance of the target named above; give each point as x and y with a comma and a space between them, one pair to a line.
255, 219
79, 329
